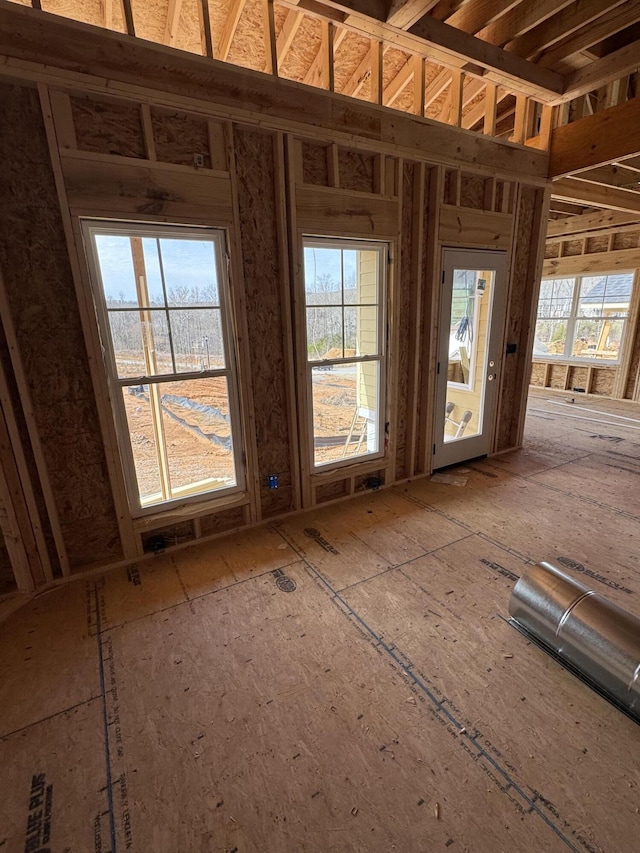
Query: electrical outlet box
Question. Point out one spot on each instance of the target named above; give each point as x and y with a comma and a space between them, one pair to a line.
198, 161
272, 481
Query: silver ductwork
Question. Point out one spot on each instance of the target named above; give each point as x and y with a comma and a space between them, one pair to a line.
594, 638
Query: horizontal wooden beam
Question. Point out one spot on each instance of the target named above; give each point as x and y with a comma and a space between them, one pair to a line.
612, 176
623, 259
596, 195
602, 71
596, 140
429, 37
590, 222
42, 47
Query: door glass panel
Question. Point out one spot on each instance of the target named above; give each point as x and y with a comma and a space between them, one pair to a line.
467, 370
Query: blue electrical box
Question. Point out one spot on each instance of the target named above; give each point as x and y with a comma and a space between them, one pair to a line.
272, 479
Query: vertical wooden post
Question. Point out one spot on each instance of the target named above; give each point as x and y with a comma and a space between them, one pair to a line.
419, 67
269, 29
376, 71
490, 109
455, 114
520, 119
206, 39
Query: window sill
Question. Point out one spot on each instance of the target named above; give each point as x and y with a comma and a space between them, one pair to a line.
188, 511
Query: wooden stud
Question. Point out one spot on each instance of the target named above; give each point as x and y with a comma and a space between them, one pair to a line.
419, 71
229, 29
430, 322
63, 118
490, 110
25, 539
626, 353
147, 132
379, 180
455, 113
292, 152
533, 277
206, 38
413, 387
283, 199
547, 374
239, 308
489, 202
22, 384
519, 129
333, 165
331, 71
269, 29
128, 17
287, 33
172, 22
130, 542
376, 71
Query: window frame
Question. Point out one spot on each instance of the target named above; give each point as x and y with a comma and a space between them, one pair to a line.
573, 319
383, 248
90, 226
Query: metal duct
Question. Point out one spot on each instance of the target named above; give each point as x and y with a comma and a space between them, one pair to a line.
596, 639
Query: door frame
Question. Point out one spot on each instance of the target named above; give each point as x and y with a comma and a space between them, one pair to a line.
454, 452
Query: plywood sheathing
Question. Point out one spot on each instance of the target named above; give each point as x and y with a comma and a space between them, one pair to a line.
256, 169
347, 670
246, 49
49, 333
179, 137
356, 170
305, 47
314, 164
348, 57
108, 128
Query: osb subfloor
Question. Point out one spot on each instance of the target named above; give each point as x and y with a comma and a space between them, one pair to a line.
342, 681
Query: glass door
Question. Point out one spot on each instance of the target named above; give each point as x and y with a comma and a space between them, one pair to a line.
469, 353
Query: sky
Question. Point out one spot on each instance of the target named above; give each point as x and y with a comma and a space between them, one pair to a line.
187, 263
322, 262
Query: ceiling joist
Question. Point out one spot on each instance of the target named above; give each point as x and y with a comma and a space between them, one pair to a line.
596, 195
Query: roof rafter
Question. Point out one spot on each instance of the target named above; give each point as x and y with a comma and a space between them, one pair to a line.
230, 27
404, 13
449, 46
524, 18
173, 20
606, 25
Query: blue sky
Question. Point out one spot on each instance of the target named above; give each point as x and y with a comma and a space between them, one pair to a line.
187, 263
319, 262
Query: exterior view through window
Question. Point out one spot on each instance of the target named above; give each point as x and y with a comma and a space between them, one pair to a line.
344, 301
582, 317
161, 295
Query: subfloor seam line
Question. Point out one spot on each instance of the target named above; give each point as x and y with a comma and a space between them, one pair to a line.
198, 597
440, 705
105, 720
50, 717
408, 562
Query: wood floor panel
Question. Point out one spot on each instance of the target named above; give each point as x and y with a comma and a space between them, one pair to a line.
275, 714
548, 728
53, 788
48, 657
370, 535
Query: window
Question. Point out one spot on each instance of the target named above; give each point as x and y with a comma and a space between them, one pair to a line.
161, 296
583, 317
466, 301
344, 284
